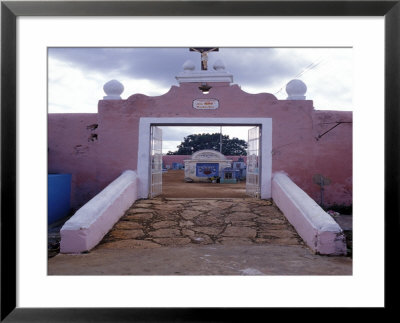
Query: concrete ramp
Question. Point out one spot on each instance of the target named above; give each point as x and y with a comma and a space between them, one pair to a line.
85, 229
316, 227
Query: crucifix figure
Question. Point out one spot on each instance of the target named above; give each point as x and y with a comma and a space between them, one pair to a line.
204, 52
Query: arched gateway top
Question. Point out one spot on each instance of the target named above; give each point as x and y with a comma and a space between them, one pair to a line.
208, 154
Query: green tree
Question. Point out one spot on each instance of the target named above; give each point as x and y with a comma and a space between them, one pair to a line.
196, 142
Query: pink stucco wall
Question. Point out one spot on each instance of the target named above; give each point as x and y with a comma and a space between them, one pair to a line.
296, 126
71, 151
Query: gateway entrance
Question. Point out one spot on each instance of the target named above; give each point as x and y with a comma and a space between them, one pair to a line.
258, 177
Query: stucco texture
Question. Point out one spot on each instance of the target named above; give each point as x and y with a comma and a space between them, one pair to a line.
297, 148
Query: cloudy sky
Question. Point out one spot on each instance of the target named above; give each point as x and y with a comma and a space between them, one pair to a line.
76, 76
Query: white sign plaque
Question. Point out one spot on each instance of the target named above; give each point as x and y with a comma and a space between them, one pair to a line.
205, 104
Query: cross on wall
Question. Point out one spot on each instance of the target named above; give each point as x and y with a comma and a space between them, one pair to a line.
204, 54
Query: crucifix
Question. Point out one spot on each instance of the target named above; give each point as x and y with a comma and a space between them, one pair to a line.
204, 52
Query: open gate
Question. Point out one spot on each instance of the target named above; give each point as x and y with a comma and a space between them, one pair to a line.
156, 161
253, 163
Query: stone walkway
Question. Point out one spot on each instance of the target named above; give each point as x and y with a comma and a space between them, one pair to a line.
235, 236
182, 222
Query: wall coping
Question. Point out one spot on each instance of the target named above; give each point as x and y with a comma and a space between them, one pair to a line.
85, 229
89, 213
316, 227
317, 217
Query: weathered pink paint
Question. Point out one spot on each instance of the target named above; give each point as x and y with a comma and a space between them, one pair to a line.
316, 227
85, 229
296, 125
71, 151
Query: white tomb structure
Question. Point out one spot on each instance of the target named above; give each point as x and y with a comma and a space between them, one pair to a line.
205, 164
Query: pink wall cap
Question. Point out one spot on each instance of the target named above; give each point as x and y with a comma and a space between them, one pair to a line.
113, 89
138, 97
296, 90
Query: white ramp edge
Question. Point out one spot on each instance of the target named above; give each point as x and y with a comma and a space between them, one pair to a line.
316, 227
87, 227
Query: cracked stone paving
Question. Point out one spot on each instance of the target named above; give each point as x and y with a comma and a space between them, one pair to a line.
181, 222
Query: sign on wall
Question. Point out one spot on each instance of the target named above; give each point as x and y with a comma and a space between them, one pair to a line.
207, 169
205, 104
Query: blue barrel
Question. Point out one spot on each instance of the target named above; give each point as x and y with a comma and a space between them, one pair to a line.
58, 196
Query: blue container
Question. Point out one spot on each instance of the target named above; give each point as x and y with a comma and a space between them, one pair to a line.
58, 196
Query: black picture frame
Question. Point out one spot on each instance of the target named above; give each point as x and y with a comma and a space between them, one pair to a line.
10, 10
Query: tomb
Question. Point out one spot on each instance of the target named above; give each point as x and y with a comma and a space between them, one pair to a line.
230, 175
205, 165
240, 166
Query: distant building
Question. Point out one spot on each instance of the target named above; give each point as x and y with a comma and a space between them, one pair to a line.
205, 164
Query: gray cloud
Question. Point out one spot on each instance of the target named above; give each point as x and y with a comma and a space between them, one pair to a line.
255, 66
159, 65
255, 69
250, 66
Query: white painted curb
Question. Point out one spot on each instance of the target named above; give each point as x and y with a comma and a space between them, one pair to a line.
85, 229
316, 227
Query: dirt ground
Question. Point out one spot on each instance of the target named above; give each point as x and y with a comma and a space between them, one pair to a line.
174, 186
185, 236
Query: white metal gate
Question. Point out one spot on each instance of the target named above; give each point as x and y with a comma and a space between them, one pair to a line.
253, 163
156, 161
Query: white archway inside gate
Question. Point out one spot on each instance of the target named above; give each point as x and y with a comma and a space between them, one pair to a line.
143, 164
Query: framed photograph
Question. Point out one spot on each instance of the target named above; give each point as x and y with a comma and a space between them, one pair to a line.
28, 293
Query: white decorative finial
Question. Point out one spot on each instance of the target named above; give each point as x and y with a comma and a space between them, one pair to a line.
188, 66
219, 65
113, 89
296, 90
